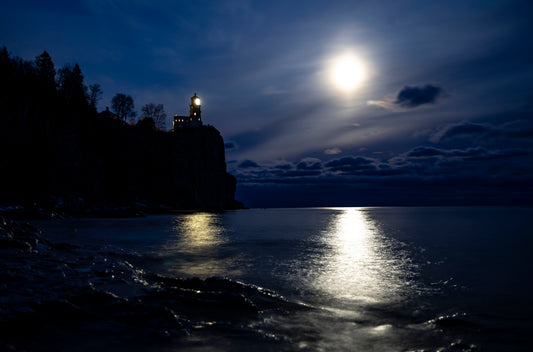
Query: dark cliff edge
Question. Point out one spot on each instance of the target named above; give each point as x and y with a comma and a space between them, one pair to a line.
103, 165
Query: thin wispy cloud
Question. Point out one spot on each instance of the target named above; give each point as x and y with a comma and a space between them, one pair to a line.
332, 151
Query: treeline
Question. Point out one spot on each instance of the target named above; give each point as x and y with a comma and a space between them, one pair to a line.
32, 99
35, 89
55, 146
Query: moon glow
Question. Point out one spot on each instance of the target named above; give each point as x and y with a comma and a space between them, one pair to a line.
347, 72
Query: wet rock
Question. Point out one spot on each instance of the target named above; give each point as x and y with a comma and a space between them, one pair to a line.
19, 236
460, 346
454, 321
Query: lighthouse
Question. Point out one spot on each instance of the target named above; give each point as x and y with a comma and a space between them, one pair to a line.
195, 114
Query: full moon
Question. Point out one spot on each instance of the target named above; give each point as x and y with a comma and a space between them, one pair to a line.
347, 73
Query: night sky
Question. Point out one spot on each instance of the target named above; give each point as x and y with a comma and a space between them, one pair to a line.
437, 107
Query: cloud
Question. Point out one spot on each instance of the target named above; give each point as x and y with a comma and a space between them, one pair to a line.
425, 152
271, 90
474, 154
467, 129
348, 164
424, 164
309, 164
448, 157
301, 173
230, 145
469, 154
285, 166
410, 97
332, 151
518, 130
248, 164
424, 175
385, 103
462, 130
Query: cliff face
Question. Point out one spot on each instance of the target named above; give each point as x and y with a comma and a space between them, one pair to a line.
185, 169
102, 160
198, 168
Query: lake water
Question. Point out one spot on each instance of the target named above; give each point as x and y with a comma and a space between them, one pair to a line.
365, 279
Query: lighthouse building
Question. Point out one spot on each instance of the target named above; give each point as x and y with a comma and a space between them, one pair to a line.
195, 115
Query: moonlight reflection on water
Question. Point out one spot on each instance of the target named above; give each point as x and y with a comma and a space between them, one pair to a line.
347, 258
345, 279
361, 263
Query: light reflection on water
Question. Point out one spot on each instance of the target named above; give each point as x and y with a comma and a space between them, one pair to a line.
348, 257
378, 279
195, 247
198, 233
359, 264
359, 275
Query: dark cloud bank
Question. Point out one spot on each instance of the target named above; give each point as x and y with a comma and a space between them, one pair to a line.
499, 172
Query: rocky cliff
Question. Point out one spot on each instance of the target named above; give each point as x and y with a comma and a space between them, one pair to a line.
103, 162
198, 169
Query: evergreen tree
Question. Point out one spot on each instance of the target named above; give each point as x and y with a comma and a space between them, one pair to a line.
6, 88
46, 70
24, 91
6, 66
71, 86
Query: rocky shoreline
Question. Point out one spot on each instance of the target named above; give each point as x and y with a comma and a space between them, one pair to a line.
40, 211
58, 296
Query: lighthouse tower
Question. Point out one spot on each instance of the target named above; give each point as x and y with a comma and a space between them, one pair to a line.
195, 114
195, 111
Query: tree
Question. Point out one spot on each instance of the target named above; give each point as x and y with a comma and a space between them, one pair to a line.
95, 94
71, 86
123, 106
156, 113
46, 70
